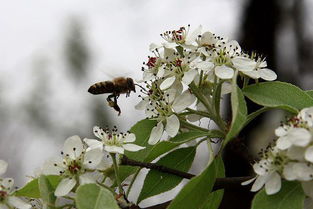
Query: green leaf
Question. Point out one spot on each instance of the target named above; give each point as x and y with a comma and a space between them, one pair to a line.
191, 135
291, 196
31, 189
46, 192
310, 93
278, 95
157, 182
92, 196
239, 114
196, 192
214, 200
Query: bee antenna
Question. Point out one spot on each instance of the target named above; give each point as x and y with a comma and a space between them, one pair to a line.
140, 87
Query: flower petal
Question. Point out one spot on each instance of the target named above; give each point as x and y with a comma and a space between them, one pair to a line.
86, 178
183, 101
280, 131
114, 149
156, 133
224, 72
132, 147
254, 74
289, 172
259, 182
194, 35
308, 155
273, 185
98, 132
167, 83
142, 104
53, 166
73, 147
92, 158
299, 137
267, 74
18, 203
283, 143
130, 137
65, 187
93, 144
172, 125
3, 167
248, 181
7, 183
244, 63
189, 76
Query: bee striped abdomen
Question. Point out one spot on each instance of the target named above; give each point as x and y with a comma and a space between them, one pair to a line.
101, 87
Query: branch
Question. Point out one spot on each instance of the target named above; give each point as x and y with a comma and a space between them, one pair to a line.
220, 183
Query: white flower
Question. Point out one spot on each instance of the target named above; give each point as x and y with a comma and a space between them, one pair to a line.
306, 115
7, 199
295, 136
74, 166
268, 171
113, 142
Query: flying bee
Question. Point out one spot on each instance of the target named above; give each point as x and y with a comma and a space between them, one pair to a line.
117, 86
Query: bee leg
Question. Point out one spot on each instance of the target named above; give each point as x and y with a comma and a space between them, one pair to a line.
113, 103
116, 107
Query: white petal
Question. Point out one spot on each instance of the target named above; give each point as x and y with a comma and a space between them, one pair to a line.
114, 149
244, 63
309, 154
167, 83
280, 131
233, 47
207, 38
283, 143
86, 178
3, 167
7, 183
105, 163
98, 132
299, 137
183, 101
161, 72
142, 104
92, 158
304, 171
248, 181
273, 185
224, 72
226, 88
53, 166
259, 182
168, 45
296, 153
289, 172
73, 147
172, 125
18, 203
156, 134
147, 76
154, 46
94, 144
169, 52
192, 37
189, 76
132, 147
65, 186
254, 74
259, 168
267, 74
130, 138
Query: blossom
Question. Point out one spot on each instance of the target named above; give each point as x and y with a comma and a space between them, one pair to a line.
268, 171
113, 142
7, 198
75, 166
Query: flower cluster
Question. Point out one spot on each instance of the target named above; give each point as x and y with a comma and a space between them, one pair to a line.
191, 59
87, 161
7, 198
291, 158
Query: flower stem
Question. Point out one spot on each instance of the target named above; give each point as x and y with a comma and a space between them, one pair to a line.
117, 178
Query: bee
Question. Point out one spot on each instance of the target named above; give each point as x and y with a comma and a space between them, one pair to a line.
117, 86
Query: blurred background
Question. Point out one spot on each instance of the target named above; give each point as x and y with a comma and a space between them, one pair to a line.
52, 51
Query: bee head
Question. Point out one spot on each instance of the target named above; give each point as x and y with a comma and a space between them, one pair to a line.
131, 84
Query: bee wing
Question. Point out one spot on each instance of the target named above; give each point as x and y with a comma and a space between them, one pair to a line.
101, 88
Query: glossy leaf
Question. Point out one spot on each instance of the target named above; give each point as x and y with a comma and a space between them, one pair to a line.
31, 189
157, 182
291, 196
239, 114
46, 192
92, 196
214, 200
196, 192
278, 95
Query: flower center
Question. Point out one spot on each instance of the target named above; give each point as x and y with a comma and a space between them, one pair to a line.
3, 195
74, 167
